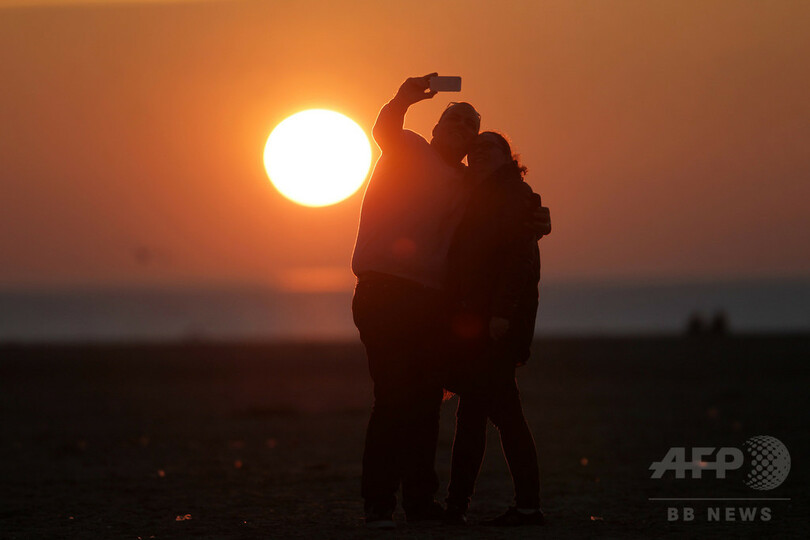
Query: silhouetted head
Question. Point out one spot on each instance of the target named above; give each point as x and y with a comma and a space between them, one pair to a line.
456, 130
489, 152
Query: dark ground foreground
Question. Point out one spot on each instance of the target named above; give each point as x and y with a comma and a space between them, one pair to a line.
264, 441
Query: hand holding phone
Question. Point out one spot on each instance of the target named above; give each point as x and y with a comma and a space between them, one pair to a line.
415, 89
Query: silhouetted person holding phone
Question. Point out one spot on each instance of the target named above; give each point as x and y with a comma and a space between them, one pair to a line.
412, 205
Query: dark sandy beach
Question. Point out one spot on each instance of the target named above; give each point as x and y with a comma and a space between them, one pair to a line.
264, 440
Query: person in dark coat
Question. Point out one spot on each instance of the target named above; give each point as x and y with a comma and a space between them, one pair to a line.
493, 276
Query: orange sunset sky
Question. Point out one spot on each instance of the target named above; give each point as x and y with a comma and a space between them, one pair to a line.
670, 139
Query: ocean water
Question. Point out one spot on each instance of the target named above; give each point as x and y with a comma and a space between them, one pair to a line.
235, 313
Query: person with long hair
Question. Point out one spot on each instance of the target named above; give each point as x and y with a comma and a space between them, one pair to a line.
494, 272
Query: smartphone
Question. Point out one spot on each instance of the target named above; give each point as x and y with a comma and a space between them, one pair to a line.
445, 84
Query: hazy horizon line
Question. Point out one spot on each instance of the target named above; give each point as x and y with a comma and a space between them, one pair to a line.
235, 285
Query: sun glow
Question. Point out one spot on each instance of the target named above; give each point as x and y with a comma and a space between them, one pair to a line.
317, 157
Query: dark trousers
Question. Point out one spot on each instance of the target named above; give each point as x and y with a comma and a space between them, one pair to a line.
499, 401
400, 324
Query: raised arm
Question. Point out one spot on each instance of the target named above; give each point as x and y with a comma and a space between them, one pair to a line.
388, 128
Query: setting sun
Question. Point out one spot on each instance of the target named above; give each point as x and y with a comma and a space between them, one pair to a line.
317, 157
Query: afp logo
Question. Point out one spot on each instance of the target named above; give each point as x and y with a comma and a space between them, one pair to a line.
767, 466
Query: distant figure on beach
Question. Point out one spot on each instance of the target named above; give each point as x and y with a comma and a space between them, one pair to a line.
697, 326
413, 203
494, 272
719, 325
